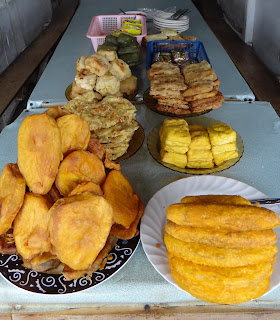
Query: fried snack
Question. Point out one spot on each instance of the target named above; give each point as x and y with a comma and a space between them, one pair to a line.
107, 85
75, 133
32, 238
216, 198
97, 64
201, 105
86, 187
54, 194
217, 257
39, 152
200, 140
110, 55
222, 238
85, 79
230, 295
121, 232
56, 112
120, 69
45, 262
7, 243
79, 228
239, 218
175, 110
220, 276
199, 89
12, 190
120, 194
221, 133
80, 63
204, 95
178, 159
76, 91
77, 167
70, 274
128, 86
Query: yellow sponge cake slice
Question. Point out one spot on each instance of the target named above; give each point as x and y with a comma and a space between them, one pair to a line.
178, 159
200, 140
222, 157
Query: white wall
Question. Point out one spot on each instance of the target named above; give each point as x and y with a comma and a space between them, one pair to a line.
21, 21
258, 23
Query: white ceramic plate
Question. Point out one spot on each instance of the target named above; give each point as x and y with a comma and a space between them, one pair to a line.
166, 15
154, 218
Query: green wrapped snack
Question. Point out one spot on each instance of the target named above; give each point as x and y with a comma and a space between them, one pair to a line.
106, 47
111, 39
130, 58
125, 50
126, 38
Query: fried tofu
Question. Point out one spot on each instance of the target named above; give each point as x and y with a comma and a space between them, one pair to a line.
178, 159
221, 133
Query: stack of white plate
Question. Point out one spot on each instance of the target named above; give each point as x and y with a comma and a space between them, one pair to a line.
162, 20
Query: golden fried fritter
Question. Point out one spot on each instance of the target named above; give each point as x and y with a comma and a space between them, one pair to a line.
75, 133
12, 190
121, 232
86, 187
79, 227
31, 226
239, 218
222, 199
120, 194
221, 237
79, 166
219, 257
39, 152
56, 112
219, 276
222, 295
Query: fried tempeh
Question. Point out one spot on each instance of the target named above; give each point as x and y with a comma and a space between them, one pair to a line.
240, 218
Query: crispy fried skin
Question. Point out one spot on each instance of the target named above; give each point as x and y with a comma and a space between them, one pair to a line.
121, 232
75, 133
12, 190
56, 112
31, 226
239, 218
222, 199
71, 274
219, 257
86, 187
120, 194
222, 295
79, 228
222, 238
39, 152
46, 262
79, 166
219, 276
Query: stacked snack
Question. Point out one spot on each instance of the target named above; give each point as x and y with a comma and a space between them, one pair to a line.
203, 87
61, 210
195, 146
111, 121
167, 82
184, 88
223, 141
221, 249
101, 73
199, 154
175, 140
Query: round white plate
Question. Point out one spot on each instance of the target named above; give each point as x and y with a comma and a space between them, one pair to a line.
154, 218
167, 15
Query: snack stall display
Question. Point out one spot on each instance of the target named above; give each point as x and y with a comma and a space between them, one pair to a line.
139, 187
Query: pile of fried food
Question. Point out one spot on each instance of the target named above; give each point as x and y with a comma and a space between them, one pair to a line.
168, 34
64, 203
111, 120
192, 89
220, 248
103, 74
194, 146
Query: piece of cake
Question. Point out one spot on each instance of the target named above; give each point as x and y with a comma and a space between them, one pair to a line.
178, 159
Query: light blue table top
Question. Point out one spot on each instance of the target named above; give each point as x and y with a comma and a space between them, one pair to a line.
60, 71
138, 282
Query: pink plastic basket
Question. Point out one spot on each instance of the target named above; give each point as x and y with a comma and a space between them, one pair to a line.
100, 26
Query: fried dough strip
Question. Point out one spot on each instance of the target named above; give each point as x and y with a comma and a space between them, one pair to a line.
219, 257
219, 276
216, 198
240, 218
222, 238
226, 296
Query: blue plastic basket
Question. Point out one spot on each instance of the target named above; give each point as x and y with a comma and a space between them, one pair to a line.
195, 49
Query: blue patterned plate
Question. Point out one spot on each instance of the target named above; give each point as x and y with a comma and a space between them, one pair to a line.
14, 272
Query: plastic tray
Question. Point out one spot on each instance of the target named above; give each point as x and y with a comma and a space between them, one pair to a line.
195, 49
100, 26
